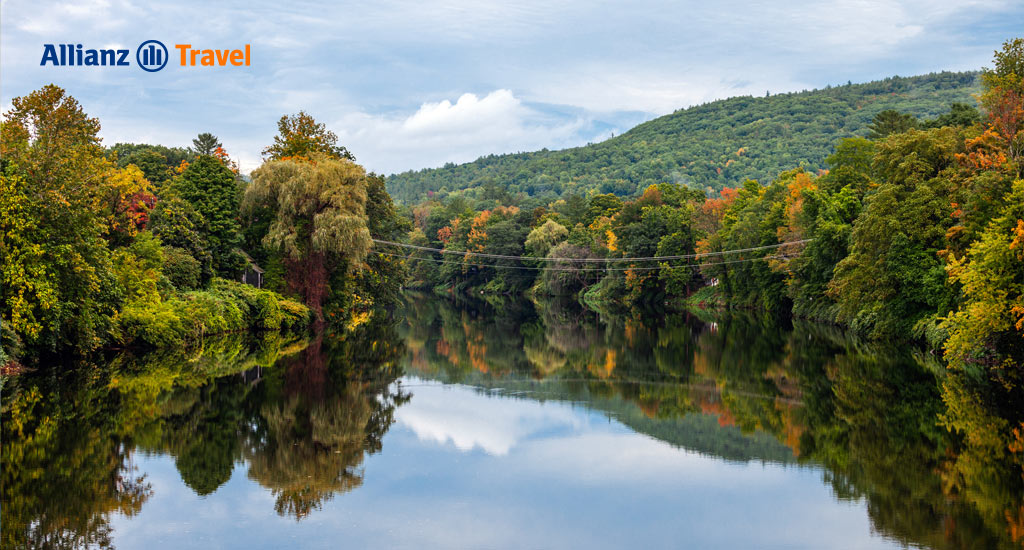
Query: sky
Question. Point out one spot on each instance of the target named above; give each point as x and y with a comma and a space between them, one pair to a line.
410, 84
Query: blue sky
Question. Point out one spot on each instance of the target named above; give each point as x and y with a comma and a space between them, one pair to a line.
408, 84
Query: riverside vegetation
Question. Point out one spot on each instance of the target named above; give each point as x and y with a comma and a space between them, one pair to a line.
140, 245
304, 422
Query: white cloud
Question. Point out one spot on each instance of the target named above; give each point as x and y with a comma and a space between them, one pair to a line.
440, 132
498, 107
61, 17
474, 421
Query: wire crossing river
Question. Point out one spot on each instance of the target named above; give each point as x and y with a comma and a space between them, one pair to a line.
523, 426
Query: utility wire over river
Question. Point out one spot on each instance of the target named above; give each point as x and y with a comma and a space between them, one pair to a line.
561, 266
604, 260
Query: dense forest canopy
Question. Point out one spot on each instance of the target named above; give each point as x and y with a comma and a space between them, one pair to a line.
709, 147
146, 245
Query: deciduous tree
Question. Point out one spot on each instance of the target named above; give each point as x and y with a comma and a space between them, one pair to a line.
320, 221
57, 288
301, 135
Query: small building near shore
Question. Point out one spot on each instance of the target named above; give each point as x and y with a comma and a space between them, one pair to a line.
252, 275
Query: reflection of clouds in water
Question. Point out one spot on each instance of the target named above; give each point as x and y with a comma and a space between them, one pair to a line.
472, 420
572, 448
567, 478
564, 473
603, 457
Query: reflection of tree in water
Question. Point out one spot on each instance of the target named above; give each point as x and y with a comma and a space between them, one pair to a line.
303, 426
69, 433
869, 413
200, 428
65, 469
866, 413
81, 520
310, 452
873, 424
334, 405
990, 470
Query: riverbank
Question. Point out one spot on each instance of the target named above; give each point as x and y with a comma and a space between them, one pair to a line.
225, 307
183, 320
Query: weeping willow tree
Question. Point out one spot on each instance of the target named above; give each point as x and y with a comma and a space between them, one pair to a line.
312, 451
319, 219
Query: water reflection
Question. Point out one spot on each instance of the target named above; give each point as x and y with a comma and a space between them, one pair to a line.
745, 388
559, 401
301, 415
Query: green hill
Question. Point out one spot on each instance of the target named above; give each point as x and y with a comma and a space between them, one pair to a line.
710, 146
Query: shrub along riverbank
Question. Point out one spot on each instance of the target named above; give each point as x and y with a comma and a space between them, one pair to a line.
227, 306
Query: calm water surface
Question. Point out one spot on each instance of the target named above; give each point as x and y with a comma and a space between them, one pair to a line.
471, 426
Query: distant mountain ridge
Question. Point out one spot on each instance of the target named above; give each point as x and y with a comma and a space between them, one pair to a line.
711, 146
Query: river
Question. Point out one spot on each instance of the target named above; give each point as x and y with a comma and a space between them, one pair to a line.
513, 425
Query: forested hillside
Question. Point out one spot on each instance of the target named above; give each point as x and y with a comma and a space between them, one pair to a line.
711, 146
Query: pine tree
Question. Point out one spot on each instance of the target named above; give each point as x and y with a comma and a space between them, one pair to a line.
210, 187
206, 144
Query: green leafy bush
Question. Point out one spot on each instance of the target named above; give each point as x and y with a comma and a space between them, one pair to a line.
156, 324
184, 271
294, 314
227, 306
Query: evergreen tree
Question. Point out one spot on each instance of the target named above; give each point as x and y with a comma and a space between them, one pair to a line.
180, 226
211, 188
890, 122
960, 114
206, 144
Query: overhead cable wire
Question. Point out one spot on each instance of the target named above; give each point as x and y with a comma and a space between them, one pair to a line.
424, 383
592, 260
574, 269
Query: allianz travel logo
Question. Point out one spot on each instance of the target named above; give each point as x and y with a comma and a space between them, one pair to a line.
151, 56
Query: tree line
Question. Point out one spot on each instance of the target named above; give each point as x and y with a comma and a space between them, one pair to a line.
140, 244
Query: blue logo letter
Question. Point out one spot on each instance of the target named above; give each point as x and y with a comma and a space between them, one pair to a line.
49, 54
151, 56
